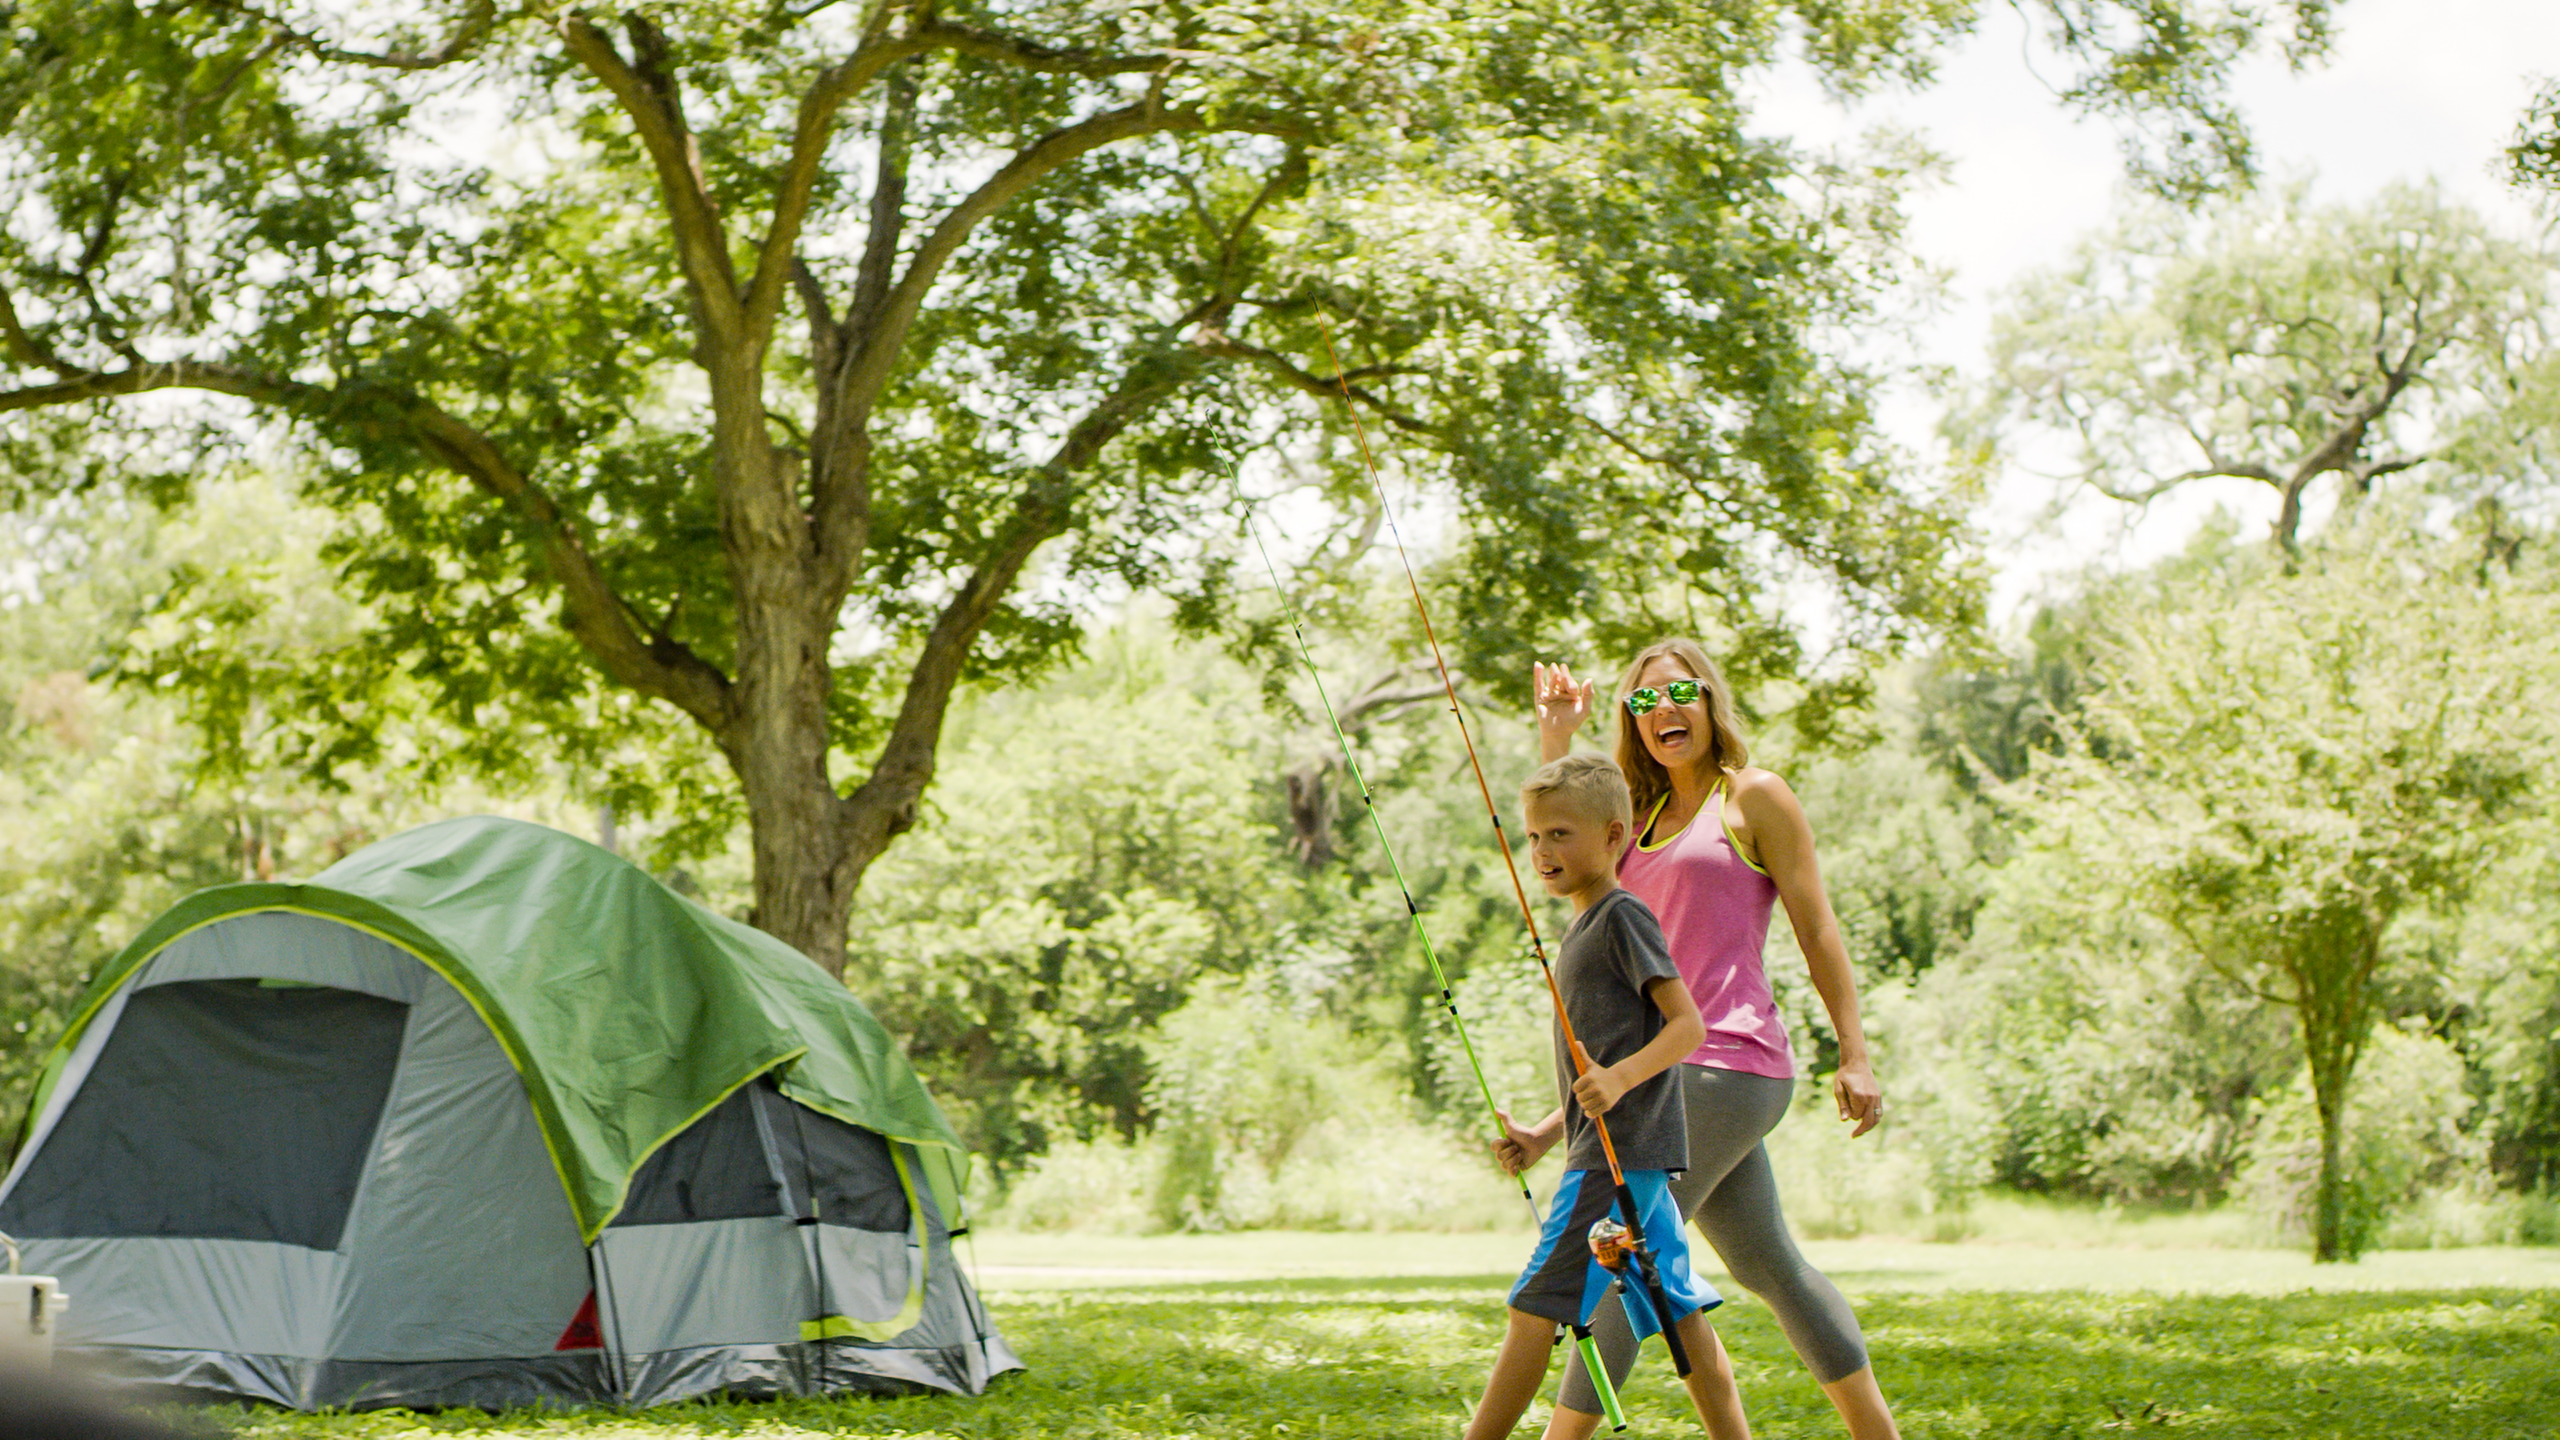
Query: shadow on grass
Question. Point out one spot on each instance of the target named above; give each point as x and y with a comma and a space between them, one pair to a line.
1372, 1358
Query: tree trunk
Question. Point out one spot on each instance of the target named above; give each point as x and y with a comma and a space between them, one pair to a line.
2334, 983
776, 739
804, 879
2330, 1241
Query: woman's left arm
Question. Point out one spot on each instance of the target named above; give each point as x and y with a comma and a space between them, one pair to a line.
1784, 840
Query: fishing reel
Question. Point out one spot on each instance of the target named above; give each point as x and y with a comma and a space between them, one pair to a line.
1612, 1246
1621, 1251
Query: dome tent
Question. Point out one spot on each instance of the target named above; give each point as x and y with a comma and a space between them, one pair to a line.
484, 1115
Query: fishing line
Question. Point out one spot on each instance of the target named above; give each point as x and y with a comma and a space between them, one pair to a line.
1537, 944
1448, 997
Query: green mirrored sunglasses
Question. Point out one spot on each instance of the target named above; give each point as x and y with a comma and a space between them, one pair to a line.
1681, 692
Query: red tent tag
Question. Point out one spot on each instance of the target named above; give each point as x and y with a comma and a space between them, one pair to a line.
582, 1333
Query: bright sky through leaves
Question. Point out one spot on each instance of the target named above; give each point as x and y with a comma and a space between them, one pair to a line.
2415, 89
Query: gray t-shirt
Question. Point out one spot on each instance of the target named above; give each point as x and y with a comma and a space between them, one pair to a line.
1609, 954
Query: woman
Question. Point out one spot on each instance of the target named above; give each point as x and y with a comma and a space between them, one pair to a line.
1716, 843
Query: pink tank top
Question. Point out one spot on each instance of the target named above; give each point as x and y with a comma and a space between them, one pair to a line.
1714, 908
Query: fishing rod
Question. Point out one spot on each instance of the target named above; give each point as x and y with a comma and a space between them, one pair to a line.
1448, 997
1631, 1246
1583, 1341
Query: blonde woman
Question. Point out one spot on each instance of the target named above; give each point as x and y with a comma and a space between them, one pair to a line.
1718, 843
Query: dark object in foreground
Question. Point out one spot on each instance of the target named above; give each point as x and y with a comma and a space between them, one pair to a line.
35, 1405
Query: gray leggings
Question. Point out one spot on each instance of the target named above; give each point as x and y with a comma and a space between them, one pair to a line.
1731, 1194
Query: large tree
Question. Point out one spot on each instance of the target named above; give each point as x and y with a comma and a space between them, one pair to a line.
2284, 767
2282, 343
782, 366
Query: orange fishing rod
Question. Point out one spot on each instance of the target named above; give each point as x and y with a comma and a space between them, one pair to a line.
1537, 943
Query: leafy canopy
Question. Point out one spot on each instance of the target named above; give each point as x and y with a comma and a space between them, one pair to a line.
790, 366
2280, 342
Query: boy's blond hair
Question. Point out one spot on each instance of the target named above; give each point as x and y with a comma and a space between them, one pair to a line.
1591, 786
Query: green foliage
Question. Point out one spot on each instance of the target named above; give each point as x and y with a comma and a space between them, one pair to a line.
1102, 842
1985, 719
1055, 260
2277, 342
2291, 769
1407, 1357
1106, 847
1266, 1116
114, 801
547, 379
2116, 1066
2509, 992
2534, 159
1907, 855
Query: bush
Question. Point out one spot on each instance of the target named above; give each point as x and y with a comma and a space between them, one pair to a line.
2118, 1068
1835, 1188
1265, 1117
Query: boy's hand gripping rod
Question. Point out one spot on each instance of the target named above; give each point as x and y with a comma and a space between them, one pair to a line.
1351, 763
1640, 1252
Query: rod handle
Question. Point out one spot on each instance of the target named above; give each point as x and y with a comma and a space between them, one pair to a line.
1590, 1351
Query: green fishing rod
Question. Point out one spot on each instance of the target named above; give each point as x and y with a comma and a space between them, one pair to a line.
1351, 763
1631, 1249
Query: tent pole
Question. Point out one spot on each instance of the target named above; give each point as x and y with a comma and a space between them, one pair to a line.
616, 1362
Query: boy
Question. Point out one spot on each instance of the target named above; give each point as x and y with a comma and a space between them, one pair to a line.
1635, 1020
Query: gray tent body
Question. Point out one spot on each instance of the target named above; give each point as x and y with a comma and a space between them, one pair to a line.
288, 1162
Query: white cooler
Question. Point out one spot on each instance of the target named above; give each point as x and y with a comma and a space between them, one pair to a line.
31, 1309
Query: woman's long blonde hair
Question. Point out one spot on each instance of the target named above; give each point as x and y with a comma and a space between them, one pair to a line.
1727, 750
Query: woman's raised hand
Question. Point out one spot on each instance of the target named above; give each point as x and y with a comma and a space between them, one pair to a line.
1562, 706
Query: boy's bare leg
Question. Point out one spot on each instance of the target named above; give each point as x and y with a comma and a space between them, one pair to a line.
1861, 1405
1711, 1389
1518, 1369
1711, 1386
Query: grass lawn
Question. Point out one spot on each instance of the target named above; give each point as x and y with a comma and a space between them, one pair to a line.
1388, 1335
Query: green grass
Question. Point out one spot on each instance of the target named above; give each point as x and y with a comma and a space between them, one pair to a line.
1400, 1351
2153, 1261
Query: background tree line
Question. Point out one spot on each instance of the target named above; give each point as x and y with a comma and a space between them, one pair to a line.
526, 495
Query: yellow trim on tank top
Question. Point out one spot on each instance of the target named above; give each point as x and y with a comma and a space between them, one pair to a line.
1715, 798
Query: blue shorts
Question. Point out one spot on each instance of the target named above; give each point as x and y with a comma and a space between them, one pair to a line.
1564, 1282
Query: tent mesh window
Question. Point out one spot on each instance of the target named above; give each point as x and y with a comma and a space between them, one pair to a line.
718, 1169
219, 1109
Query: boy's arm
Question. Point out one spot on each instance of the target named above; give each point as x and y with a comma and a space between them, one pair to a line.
1682, 1032
1521, 1147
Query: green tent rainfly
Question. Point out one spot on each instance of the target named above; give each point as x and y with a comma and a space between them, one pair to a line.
706, 1134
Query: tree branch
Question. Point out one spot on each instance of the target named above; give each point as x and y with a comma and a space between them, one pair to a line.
1708, 491
839, 469
1049, 60
816, 122
888, 220
1042, 510
878, 51
2213, 470
25, 348
870, 367
595, 615
648, 95
1292, 169
466, 37
1324, 387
